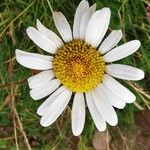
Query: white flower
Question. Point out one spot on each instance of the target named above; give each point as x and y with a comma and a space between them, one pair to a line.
79, 67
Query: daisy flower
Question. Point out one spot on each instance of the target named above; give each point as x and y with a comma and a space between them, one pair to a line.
80, 67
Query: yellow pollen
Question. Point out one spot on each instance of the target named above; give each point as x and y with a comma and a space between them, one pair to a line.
78, 66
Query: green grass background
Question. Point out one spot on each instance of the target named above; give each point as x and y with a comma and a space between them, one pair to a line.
19, 123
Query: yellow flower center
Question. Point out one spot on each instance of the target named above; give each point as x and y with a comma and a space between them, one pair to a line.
78, 66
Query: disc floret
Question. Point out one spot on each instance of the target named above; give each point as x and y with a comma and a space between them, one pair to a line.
78, 66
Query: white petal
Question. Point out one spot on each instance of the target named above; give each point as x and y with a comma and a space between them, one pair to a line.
85, 20
33, 61
56, 108
125, 72
78, 114
111, 41
45, 89
40, 78
118, 89
104, 107
46, 104
122, 51
112, 98
97, 26
97, 118
49, 34
81, 9
41, 40
62, 26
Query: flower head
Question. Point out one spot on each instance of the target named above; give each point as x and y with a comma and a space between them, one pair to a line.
80, 66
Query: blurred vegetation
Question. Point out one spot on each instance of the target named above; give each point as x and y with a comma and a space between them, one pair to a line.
19, 123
